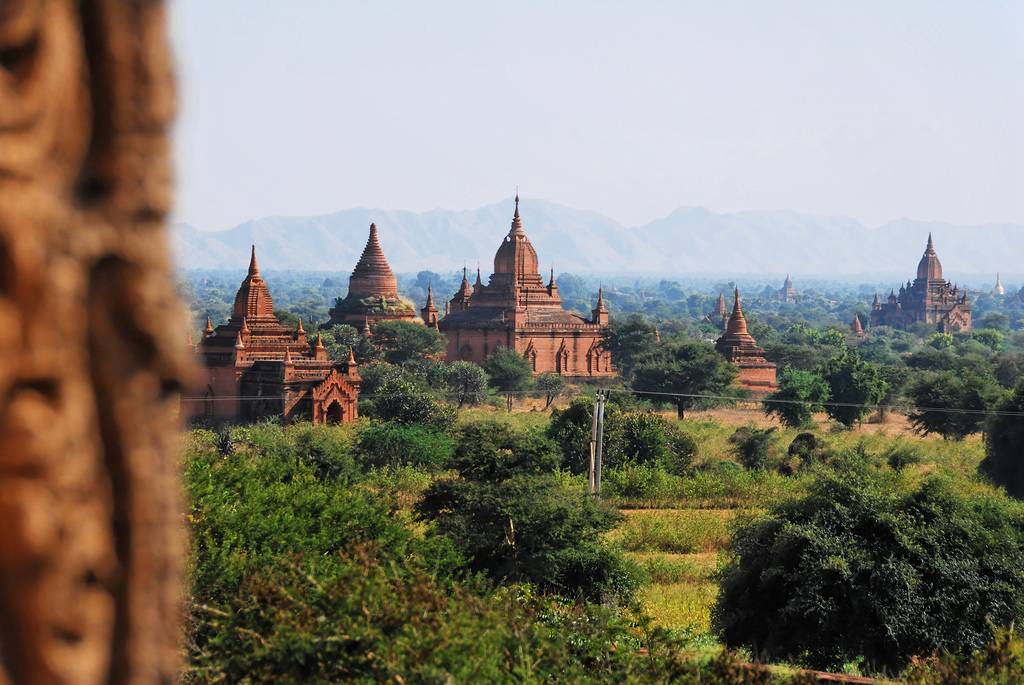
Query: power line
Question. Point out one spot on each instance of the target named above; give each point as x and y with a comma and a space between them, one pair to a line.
731, 399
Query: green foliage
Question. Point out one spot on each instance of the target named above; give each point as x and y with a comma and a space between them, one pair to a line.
402, 341
466, 383
1004, 443
628, 339
805, 450
394, 445
752, 446
551, 385
854, 385
402, 400
800, 394
1001, 662
951, 404
870, 565
901, 456
340, 338
990, 338
629, 437
508, 370
516, 521
687, 368
649, 439
941, 341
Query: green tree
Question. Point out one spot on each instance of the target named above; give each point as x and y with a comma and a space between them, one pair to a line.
340, 338
690, 369
753, 446
800, 395
627, 339
1004, 443
508, 371
854, 385
466, 383
515, 520
870, 565
551, 385
951, 404
402, 341
402, 400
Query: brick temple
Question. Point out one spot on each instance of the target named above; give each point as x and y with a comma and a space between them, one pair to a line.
515, 309
255, 368
372, 291
756, 373
929, 299
787, 293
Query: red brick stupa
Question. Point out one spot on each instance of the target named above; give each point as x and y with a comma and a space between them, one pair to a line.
515, 309
757, 374
256, 368
372, 290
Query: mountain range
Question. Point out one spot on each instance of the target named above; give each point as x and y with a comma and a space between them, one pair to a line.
689, 241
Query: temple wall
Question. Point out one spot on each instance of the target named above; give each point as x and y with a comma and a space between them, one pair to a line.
475, 345
759, 380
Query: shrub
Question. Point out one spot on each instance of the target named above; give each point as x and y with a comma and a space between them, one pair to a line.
402, 400
752, 446
1001, 662
394, 445
899, 457
800, 394
869, 565
1004, 444
515, 520
650, 439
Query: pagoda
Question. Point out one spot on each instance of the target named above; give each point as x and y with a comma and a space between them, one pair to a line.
999, 290
787, 293
720, 316
856, 327
256, 368
517, 310
756, 373
929, 299
372, 291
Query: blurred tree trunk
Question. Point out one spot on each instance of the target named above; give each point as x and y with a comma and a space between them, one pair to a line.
92, 347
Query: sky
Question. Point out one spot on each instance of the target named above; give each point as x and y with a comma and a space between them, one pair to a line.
874, 110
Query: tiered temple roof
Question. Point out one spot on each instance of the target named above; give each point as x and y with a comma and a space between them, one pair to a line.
372, 290
757, 374
516, 309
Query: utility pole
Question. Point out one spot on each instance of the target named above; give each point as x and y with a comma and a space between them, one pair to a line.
591, 472
596, 445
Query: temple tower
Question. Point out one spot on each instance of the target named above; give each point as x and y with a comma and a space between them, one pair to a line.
372, 290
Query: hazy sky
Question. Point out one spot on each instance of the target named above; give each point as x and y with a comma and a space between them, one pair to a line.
875, 110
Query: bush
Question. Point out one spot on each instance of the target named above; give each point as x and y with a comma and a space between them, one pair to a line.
515, 520
394, 445
402, 400
1004, 444
899, 457
870, 565
805, 450
752, 446
1001, 662
650, 439
629, 437
800, 394
466, 383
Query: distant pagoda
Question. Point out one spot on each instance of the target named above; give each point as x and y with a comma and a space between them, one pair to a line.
930, 299
372, 291
757, 374
999, 289
787, 293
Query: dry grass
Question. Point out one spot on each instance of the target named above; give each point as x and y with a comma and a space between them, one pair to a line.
679, 531
683, 606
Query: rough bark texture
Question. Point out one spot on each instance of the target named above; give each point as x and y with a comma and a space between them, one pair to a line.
90, 539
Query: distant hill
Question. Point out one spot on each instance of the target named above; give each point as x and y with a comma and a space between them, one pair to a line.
687, 241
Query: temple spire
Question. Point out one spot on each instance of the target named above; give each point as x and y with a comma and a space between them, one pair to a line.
351, 358
208, 331
517, 222
299, 330
245, 327
737, 324
430, 295
931, 246
254, 268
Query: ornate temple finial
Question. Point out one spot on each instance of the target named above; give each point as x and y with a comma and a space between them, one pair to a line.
517, 222
319, 342
351, 358
288, 357
254, 268
478, 281
299, 330
931, 246
208, 331
366, 327
551, 282
858, 328
516, 215
430, 295
600, 296
373, 229
245, 326
239, 345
